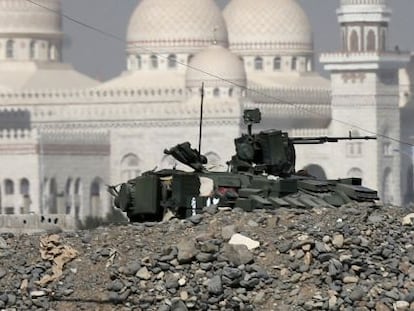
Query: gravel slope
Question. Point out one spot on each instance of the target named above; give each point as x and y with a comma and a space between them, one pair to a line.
357, 257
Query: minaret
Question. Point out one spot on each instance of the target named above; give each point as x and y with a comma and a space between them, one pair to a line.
365, 96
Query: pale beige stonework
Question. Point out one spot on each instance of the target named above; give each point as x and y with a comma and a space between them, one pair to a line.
83, 134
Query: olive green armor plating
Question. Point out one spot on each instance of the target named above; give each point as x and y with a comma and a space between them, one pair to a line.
260, 175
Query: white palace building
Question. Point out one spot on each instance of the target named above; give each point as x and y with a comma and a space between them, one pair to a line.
64, 136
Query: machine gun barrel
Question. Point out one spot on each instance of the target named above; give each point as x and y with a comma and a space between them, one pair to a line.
326, 139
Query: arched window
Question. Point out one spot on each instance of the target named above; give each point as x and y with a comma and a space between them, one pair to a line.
32, 49
24, 186
371, 44
96, 197
384, 40
68, 196
258, 63
130, 167
172, 61
387, 149
168, 162
309, 65
190, 57
10, 49
78, 196
95, 188
354, 41
52, 52
277, 63
294, 63
216, 92
344, 41
139, 62
355, 173
53, 193
316, 171
8, 187
213, 159
154, 61
230, 92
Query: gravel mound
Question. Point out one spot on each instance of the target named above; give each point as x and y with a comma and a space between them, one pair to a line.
357, 257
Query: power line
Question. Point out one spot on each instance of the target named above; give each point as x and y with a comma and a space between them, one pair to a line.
290, 103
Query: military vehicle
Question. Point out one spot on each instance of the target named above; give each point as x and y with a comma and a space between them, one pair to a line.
260, 175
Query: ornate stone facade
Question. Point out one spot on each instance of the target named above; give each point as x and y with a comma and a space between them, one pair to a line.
79, 134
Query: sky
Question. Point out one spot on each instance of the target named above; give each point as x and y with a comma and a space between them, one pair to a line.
103, 58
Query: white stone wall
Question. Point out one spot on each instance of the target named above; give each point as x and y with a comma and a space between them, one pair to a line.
148, 143
364, 103
70, 168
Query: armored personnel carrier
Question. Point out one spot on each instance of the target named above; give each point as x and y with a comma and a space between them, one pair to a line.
260, 175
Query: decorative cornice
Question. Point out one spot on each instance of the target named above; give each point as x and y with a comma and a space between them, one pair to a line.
260, 48
104, 95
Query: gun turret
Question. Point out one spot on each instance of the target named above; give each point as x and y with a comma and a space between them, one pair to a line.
272, 151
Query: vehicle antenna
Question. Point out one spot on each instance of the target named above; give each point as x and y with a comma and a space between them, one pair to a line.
201, 119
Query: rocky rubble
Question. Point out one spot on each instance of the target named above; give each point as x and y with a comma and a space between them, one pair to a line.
357, 257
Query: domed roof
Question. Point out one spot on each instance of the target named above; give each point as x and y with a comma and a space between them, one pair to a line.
215, 66
175, 26
23, 17
264, 26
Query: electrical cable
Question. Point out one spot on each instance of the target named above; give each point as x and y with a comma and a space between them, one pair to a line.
279, 100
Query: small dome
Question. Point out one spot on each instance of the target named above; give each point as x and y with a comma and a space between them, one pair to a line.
23, 17
215, 66
268, 26
185, 26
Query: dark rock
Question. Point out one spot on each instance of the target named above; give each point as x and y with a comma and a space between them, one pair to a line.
131, 268
250, 284
4, 298
3, 272
409, 297
196, 219
357, 293
178, 305
393, 294
237, 254
205, 257
171, 281
212, 209
335, 267
325, 257
86, 238
115, 286
284, 246
209, 247
42, 303
11, 299
114, 297
215, 285
164, 308
186, 251
232, 273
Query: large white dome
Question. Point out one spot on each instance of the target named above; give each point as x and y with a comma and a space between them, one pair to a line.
24, 18
216, 66
175, 26
261, 27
